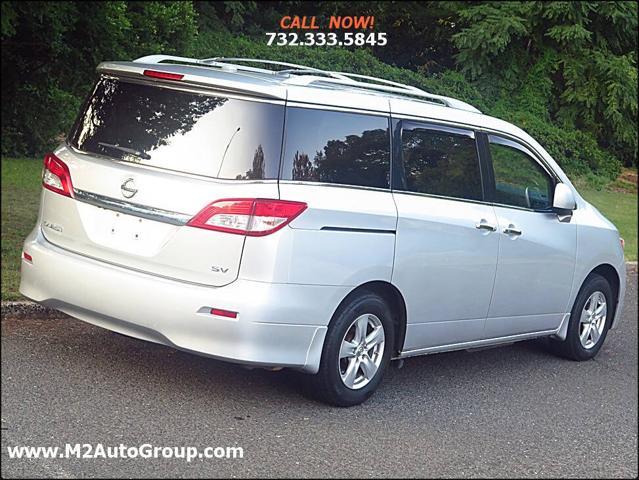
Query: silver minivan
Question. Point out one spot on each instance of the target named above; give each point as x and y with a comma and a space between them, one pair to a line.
316, 220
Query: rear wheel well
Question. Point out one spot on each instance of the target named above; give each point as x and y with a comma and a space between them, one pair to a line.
612, 277
395, 301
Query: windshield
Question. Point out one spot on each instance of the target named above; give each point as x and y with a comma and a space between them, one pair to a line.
190, 132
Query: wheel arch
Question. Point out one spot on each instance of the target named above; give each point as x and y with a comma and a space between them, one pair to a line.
611, 275
391, 294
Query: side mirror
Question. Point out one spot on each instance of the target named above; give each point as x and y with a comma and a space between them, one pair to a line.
564, 200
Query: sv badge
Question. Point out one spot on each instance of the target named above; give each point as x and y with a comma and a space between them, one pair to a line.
217, 269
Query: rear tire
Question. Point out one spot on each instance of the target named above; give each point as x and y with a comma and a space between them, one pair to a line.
356, 353
590, 320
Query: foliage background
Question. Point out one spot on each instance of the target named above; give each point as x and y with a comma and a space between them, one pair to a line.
566, 72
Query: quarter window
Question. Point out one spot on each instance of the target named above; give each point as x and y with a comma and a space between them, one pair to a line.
336, 147
519, 179
441, 161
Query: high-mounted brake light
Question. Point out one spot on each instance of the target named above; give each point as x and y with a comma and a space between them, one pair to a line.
163, 75
56, 176
254, 217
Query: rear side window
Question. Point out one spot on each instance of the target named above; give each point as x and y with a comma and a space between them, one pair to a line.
177, 130
336, 147
440, 161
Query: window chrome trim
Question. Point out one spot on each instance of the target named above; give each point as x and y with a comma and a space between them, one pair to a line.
442, 197
524, 209
338, 185
467, 200
134, 209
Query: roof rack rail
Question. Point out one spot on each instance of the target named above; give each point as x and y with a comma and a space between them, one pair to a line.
305, 75
390, 87
208, 62
294, 68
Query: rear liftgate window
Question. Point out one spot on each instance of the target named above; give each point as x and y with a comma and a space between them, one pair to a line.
336, 147
188, 132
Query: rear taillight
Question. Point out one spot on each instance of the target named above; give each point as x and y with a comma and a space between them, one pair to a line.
254, 217
163, 75
56, 176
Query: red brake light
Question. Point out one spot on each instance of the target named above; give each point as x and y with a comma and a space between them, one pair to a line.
56, 176
163, 75
27, 257
254, 217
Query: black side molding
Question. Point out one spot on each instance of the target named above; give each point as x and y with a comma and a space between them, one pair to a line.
358, 230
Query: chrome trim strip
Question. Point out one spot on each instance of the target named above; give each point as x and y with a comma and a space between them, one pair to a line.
128, 208
336, 185
441, 197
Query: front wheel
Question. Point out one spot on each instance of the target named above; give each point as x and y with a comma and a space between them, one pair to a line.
356, 353
589, 321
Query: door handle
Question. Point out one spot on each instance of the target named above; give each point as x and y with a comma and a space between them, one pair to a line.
484, 225
512, 230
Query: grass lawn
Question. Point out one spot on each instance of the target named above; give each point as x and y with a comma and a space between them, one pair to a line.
20, 199
21, 196
620, 209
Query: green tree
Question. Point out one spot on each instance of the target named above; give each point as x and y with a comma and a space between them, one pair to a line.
575, 60
566, 72
50, 51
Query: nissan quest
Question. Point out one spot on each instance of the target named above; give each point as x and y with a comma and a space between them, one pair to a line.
281, 216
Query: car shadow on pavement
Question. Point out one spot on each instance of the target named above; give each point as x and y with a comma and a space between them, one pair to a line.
159, 366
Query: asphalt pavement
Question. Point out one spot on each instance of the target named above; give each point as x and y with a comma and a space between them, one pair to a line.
508, 411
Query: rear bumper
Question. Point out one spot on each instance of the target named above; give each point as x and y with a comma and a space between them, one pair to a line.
278, 325
622, 271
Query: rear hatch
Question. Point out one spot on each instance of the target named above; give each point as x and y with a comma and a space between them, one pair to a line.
143, 158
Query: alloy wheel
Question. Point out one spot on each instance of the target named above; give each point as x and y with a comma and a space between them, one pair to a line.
361, 351
593, 320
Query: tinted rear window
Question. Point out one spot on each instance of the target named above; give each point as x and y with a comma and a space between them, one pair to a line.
190, 132
336, 147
